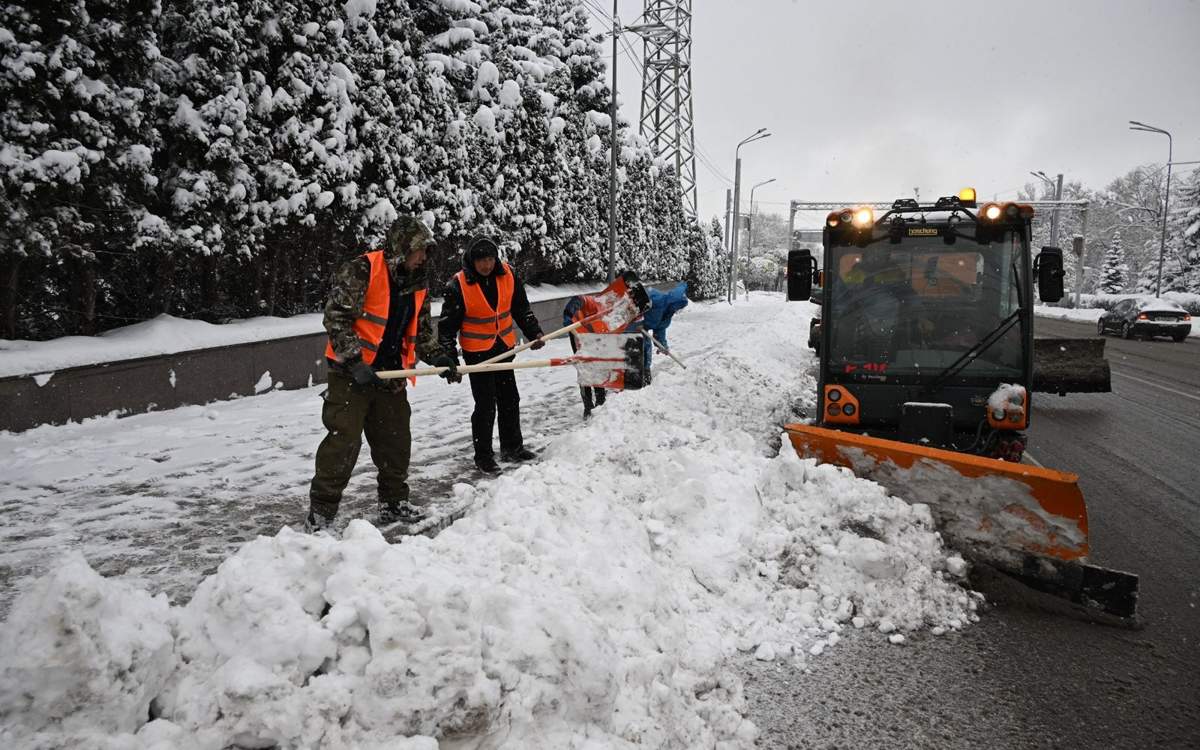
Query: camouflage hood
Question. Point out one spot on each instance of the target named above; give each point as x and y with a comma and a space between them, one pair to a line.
406, 234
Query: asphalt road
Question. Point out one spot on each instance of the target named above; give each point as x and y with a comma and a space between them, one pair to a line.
1026, 676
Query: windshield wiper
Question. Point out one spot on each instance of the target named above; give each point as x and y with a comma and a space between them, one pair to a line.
980, 347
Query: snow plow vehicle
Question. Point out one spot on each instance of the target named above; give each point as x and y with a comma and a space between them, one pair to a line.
927, 364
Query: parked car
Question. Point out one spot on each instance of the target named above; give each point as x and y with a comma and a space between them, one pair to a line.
1146, 317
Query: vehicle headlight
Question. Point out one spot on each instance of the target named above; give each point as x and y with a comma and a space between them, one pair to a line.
998, 415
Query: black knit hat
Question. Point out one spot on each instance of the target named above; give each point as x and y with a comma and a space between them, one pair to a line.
482, 247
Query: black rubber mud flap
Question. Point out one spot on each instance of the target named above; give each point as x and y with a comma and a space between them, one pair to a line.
1065, 366
1106, 592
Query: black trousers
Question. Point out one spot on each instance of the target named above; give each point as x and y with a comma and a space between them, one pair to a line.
495, 395
592, 397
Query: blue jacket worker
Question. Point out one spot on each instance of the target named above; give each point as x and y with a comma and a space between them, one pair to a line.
656, 320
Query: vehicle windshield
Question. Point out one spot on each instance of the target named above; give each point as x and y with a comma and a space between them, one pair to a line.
914, 308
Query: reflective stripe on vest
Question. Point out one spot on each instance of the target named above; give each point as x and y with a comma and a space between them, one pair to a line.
373, 319
408, 345
481, 324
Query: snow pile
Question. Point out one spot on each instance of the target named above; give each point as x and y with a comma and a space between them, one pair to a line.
83, 654
589, 599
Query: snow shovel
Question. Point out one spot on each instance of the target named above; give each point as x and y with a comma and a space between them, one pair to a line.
605, 360
620, 303
662, 348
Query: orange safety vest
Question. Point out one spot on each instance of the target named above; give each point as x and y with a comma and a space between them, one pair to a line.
481, 324
589, 307
373, 321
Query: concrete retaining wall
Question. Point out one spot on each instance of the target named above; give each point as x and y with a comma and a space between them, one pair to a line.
194, 377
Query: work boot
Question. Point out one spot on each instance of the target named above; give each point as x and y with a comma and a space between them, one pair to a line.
400, 512
518, 455
316, 523
487, 464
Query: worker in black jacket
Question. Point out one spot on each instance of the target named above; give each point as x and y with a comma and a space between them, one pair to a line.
481, 305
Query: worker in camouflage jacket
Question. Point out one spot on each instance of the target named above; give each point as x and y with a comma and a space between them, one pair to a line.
377, 317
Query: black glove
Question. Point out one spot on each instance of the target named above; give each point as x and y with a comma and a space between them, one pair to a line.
451, 364
364, 374
537, 343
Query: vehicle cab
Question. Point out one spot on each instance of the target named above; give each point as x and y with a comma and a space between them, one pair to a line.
926, 312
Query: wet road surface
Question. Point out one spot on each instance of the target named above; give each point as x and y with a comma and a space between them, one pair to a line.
1027, 677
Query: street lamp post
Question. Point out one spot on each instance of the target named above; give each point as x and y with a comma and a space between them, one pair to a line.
612, 156
750, 231
1056, 186
1162, 242
757, 135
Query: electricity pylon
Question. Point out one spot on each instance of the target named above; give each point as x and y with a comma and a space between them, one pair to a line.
666, 114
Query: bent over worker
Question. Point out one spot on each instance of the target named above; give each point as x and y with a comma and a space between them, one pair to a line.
656, 320
578, 308
377, 317
481, 305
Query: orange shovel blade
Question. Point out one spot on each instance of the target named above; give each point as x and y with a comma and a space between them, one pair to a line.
998, 510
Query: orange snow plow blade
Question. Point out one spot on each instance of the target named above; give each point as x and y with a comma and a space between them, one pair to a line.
1028, 521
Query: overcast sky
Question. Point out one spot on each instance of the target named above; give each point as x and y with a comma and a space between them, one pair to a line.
868, 100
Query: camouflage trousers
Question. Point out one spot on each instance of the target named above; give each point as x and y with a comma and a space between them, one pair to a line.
381, 413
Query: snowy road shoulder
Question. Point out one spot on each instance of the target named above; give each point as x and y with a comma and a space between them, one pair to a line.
592, 598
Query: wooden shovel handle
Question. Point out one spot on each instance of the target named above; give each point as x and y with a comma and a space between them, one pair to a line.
468, 369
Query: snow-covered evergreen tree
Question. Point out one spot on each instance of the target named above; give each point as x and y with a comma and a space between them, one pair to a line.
1181, 267
216, 142
227, 175
706, 264
1114, 271
77, 143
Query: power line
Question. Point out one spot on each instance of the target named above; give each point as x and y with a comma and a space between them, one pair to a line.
607, 20
711, 167
712, 164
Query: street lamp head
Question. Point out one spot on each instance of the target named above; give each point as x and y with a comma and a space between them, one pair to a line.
1135, 125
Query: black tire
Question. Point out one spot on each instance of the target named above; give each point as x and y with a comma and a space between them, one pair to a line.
1179, 337
1126, 331
1100, 329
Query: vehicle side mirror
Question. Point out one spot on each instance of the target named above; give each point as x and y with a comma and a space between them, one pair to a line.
1049, 270
800, 268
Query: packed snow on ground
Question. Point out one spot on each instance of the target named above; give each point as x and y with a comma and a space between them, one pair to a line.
166, 334
593, 598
